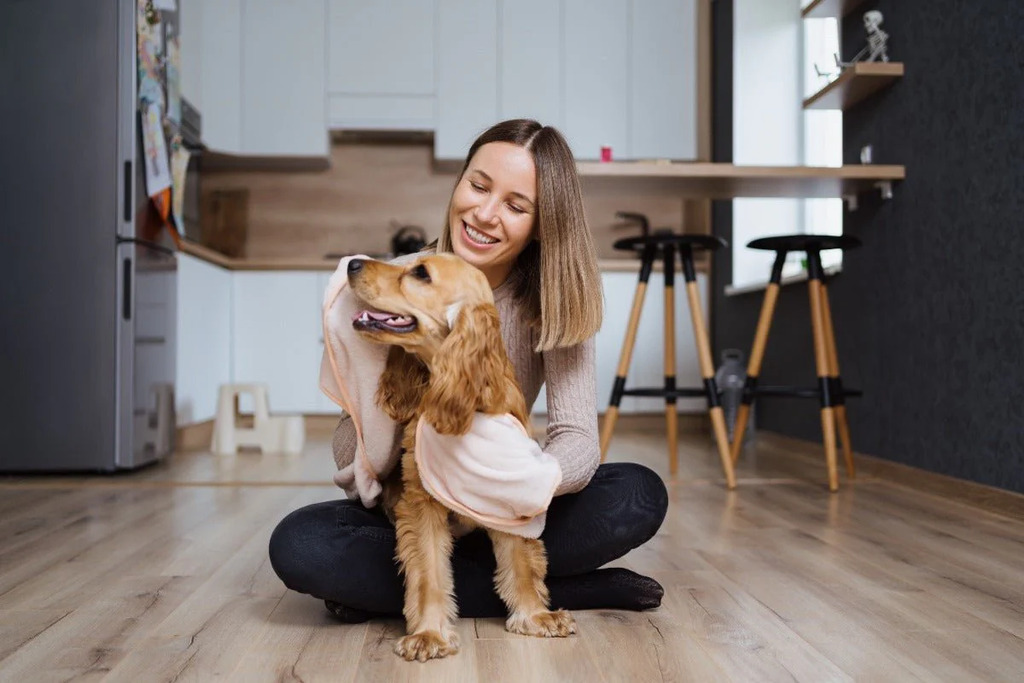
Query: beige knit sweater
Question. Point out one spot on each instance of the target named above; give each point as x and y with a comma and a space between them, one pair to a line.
571, 396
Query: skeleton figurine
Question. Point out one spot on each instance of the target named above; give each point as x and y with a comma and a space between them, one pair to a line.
878, 42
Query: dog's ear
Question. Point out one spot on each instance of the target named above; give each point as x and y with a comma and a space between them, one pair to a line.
401, 385
467, 373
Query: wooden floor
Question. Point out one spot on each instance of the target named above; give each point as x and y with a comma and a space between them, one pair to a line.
163, 575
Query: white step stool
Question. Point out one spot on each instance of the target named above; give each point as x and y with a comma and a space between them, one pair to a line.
272, 434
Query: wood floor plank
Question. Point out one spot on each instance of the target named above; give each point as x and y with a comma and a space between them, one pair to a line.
646, 646
378, 662
301, 642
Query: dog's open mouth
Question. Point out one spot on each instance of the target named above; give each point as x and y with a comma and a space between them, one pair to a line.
383, 321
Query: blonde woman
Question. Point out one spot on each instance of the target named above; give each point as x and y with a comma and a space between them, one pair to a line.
516, 213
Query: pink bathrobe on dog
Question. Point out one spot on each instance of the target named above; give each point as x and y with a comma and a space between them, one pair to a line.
495, 474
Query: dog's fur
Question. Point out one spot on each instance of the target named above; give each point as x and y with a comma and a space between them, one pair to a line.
447, 365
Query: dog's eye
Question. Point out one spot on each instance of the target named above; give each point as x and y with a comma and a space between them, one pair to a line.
420, 273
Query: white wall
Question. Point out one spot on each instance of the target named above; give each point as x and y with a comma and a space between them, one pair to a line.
767, 122
204, 338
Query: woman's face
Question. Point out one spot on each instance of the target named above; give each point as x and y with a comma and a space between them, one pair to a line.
494, 209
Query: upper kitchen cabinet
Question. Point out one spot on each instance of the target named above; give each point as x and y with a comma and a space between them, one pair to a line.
663, 80
220, 73
380, 64
283, 77
597, 77
616, 73
467, 74
529, 80
262, 81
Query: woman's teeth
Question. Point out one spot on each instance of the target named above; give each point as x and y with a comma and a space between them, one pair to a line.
478, 237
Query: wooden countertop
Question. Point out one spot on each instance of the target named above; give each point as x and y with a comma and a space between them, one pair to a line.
623, 265
708, 180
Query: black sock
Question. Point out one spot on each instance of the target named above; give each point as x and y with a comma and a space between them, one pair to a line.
611, 588
348, 615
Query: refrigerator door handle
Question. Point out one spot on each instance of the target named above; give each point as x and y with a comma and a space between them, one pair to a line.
126, 289
129, 199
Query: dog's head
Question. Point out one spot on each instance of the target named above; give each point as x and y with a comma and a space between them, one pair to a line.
415, 306
439, 309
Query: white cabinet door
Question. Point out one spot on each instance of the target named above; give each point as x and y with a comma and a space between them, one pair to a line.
467, 74
273, 338
204, 338
530, 36
220, 83
284, 106
190, 41
596, 53
380, 71
647, 367
663, 80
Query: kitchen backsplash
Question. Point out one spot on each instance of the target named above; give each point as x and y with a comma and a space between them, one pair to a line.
370, 188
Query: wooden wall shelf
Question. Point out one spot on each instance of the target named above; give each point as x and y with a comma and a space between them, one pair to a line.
729, 181
821, 9
854, 84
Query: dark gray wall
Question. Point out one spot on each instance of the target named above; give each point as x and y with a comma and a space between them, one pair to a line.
929, 314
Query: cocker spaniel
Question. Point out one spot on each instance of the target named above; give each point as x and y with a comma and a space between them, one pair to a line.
447, 362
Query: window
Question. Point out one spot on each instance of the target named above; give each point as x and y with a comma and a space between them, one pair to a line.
775, 52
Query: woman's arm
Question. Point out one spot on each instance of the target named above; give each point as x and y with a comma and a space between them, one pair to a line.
572, 414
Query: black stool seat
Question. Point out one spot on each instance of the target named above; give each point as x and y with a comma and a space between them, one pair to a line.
709, 242
805, 242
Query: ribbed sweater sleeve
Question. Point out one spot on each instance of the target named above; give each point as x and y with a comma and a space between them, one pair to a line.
569, 375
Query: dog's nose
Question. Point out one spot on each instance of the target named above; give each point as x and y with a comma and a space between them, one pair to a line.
355, 265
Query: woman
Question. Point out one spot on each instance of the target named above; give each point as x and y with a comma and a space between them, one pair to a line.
516, 214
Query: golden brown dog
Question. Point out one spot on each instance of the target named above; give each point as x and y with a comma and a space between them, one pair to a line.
447, 362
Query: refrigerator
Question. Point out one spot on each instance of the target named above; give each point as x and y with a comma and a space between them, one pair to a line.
88, 295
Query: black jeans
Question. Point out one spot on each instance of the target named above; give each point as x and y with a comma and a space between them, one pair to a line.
340, 551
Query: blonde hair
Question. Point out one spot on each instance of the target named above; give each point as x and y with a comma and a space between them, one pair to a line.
557, 274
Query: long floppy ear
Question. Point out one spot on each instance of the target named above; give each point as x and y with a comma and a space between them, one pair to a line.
401, 385
468, 373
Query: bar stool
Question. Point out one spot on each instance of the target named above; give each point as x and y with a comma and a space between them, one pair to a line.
830, 389
666, 245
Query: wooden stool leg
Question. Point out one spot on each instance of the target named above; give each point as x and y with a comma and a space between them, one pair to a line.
837, 383
671, 413
828, 424
764, 324
612, 414
707, 368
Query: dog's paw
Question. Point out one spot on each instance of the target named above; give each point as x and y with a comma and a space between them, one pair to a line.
557, 624
427, 645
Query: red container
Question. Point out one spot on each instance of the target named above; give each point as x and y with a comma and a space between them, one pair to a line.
606, 153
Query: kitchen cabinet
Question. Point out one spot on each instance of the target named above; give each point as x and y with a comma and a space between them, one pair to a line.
467, 74
203, 336
220, 85
647, 367
618, 73
275, 336
597, 77
663, 80
283, 78
380, 64
263, 78
530, 40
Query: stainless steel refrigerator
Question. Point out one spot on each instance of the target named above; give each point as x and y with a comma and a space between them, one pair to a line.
87, 348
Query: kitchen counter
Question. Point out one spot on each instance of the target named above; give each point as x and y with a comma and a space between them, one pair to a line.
623, 265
